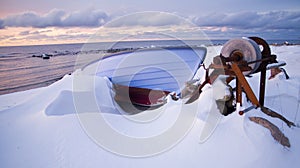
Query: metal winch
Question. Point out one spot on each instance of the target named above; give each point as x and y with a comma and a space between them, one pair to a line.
240, 58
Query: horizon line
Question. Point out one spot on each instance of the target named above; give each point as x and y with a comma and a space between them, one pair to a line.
145, 40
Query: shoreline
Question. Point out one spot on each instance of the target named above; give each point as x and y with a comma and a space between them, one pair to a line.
13, 87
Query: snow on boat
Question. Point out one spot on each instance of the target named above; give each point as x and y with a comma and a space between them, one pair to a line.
144, 77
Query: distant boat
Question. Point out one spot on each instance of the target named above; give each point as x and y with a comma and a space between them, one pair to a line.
46, 56
144, 77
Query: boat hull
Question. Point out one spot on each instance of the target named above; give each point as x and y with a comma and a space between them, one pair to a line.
139, 96
145, 77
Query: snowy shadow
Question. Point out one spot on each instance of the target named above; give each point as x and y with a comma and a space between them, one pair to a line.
64, 105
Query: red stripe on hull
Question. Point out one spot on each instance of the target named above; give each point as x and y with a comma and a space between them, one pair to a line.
140, 96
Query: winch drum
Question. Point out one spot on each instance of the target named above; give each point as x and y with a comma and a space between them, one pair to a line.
249, 50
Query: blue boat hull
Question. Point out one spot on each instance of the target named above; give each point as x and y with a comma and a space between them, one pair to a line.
160, 70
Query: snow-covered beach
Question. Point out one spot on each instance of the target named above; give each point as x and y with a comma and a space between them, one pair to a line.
40, 128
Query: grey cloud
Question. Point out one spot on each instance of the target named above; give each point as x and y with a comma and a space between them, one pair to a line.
250, 20
146, 19
92, 18
31, 19
1, 24
56, 18
4, 37
24, 33
85, 18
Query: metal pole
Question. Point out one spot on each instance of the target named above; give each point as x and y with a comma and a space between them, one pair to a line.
238, 91
262, 85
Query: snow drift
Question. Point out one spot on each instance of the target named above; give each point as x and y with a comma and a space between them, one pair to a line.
42, 127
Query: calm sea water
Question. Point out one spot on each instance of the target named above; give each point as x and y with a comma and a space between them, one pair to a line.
21, 69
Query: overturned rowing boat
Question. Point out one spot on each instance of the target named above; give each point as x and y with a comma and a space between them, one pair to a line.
144, 77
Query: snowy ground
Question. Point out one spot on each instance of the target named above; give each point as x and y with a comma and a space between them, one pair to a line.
40, 128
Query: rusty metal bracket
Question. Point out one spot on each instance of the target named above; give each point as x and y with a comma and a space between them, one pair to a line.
250, 94
245, 85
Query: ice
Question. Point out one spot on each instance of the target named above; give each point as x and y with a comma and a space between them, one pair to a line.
42, 127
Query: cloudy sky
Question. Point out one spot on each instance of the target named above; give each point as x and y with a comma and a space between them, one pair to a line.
27, 22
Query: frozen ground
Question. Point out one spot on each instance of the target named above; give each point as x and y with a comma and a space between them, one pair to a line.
40, 128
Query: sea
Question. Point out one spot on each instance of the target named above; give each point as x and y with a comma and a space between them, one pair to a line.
23, 67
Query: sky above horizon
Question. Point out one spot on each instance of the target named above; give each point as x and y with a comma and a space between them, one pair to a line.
31, 22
